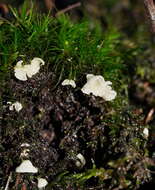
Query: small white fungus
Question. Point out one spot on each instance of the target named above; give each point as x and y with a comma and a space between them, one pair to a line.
20, 71
42, 183
26, 167
99, 87
69, 82
146, 132
16, 106
24, 71
25, 145
81, 160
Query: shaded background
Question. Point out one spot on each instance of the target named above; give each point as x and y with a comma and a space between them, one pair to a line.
126, 14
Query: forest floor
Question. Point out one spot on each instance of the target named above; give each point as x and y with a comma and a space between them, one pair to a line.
73, 139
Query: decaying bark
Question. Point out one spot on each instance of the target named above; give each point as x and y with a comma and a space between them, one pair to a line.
150, 5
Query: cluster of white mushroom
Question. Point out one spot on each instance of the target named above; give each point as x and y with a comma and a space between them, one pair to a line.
15, 106
27, 167
23, 72
95, 85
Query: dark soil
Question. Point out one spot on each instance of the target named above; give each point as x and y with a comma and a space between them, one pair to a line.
61, 122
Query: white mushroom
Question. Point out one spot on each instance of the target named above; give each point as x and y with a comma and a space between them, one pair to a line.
26, 167
34, 67
25, 145
146, 133
80, 160
17, 106
20, 71
69, 82
42, 183
28, 70
99, 87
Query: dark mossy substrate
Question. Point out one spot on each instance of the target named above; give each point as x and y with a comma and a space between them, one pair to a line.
62, 122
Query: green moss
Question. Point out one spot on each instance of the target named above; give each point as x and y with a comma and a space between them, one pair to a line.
71, 48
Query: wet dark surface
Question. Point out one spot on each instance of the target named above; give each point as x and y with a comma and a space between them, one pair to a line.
61, 123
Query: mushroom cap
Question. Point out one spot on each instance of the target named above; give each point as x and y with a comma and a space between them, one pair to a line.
26, 167
28, 70
42, 183
99, 87
68, 82
146, 132
20, 72
34, 67
81, 160
17, 106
